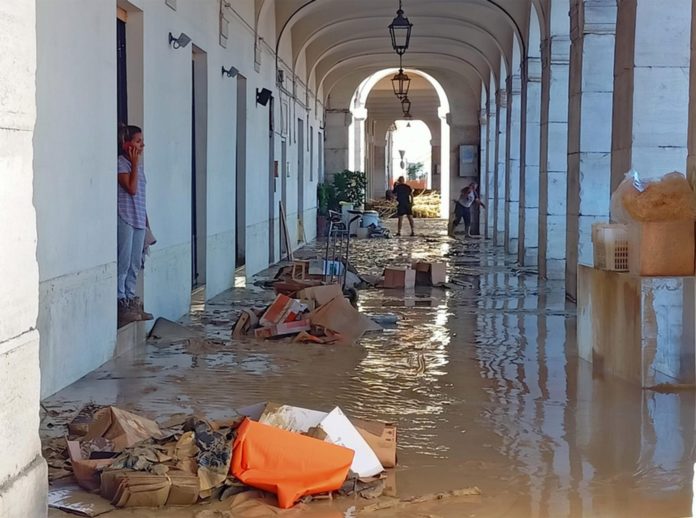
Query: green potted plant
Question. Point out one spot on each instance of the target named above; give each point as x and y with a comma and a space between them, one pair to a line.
326, 201
350, 187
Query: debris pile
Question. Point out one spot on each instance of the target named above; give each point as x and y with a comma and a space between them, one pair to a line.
419, 273
291, 452
426, 204
319, 314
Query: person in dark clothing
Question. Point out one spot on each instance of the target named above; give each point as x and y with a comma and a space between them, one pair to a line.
404, 203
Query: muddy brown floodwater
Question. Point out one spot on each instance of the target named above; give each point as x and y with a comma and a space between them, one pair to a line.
482, 380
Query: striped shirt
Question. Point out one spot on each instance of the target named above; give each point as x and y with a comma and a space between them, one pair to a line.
131, 209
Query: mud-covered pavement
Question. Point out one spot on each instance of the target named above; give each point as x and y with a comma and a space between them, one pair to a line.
482, 381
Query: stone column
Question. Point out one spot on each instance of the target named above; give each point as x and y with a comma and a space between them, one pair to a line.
500, 168
554, 156
651, 87
691, 160
593, 29
23, 475
483, 156
359, 139
528, 246
336, 141
491, 165
483, 159
512, 179
445, 163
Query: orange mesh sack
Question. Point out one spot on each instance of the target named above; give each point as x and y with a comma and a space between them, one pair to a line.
287, 463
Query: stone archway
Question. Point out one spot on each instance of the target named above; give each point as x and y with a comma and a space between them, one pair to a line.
357, 131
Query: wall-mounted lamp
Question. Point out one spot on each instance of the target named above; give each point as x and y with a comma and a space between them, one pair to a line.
280, 77
263, 96
180, 42
231, 72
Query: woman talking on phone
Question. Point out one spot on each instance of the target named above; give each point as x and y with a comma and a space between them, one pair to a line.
132, 222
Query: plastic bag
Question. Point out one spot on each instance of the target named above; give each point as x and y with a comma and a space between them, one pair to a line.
668, 198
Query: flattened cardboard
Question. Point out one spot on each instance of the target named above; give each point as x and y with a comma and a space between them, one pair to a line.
86, 471
75, 500
342, 318
245, 324
185, 488
126, 488
321, 294
285, 329
123, 428
382, 439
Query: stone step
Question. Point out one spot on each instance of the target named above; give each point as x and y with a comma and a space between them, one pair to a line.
130, 337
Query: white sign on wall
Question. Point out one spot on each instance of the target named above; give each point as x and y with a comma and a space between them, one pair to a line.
468, 160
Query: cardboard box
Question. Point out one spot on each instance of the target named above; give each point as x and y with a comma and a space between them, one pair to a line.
86, 471
321, 294
399, 278
284, 329
246, 323
430, 274
340, 317
294, 311
276, 311
662, 249
127, 488
123, 428
382, 439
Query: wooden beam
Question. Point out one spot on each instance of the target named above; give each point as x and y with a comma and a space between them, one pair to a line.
121, 14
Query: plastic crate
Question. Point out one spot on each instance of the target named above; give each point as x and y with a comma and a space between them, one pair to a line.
611, 247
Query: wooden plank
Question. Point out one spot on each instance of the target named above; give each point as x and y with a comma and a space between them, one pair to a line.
286, 232
121, 14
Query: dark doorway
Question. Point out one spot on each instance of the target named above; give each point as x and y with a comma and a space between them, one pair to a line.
283, 166
121, 72
199, 137
300, 178
240, 207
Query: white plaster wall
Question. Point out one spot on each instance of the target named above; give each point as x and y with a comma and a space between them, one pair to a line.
23, 485
75, 188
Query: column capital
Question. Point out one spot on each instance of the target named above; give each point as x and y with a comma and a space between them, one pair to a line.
483, 117
501, 98
359, 114
556, 50
515, 84
534, 70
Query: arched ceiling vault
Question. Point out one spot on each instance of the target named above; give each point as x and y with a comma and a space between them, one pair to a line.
459, 49
460, 41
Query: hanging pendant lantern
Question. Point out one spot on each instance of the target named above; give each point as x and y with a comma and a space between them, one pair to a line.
406, 107
400, 31
401, 84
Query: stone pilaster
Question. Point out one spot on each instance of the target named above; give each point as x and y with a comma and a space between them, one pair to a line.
23, 476
593, 29
553, 156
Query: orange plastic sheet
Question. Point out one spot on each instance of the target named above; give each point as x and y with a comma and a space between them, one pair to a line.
288, 464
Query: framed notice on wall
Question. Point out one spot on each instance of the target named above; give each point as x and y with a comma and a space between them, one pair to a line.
468, 160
